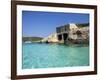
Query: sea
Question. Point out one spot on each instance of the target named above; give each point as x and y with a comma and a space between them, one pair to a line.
53, 55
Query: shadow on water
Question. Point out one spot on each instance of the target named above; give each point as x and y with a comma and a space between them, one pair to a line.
62, 44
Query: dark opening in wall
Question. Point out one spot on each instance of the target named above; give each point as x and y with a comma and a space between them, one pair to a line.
59, 37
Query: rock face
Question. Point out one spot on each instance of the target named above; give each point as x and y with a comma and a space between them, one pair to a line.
79, 35
70, 33
51, 38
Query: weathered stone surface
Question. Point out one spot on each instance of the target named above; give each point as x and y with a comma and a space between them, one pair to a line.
79, 35
51, 38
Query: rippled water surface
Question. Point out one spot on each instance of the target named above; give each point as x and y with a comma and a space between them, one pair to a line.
37, 55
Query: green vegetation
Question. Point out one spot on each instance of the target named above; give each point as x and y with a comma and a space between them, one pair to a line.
83, 25
32, 39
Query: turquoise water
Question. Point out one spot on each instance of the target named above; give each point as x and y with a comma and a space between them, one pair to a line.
37, 55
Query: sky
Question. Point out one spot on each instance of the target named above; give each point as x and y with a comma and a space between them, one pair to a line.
42, 24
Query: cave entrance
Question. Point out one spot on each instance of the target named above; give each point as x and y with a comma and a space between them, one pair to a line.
65, 36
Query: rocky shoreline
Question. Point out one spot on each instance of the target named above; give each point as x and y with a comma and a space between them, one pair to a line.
75, 35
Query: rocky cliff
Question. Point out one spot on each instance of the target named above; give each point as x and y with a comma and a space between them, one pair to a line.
76, 34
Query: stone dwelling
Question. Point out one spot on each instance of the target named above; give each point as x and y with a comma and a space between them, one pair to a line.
73, 33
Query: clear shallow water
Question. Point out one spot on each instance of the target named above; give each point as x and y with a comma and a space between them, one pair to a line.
54, 55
